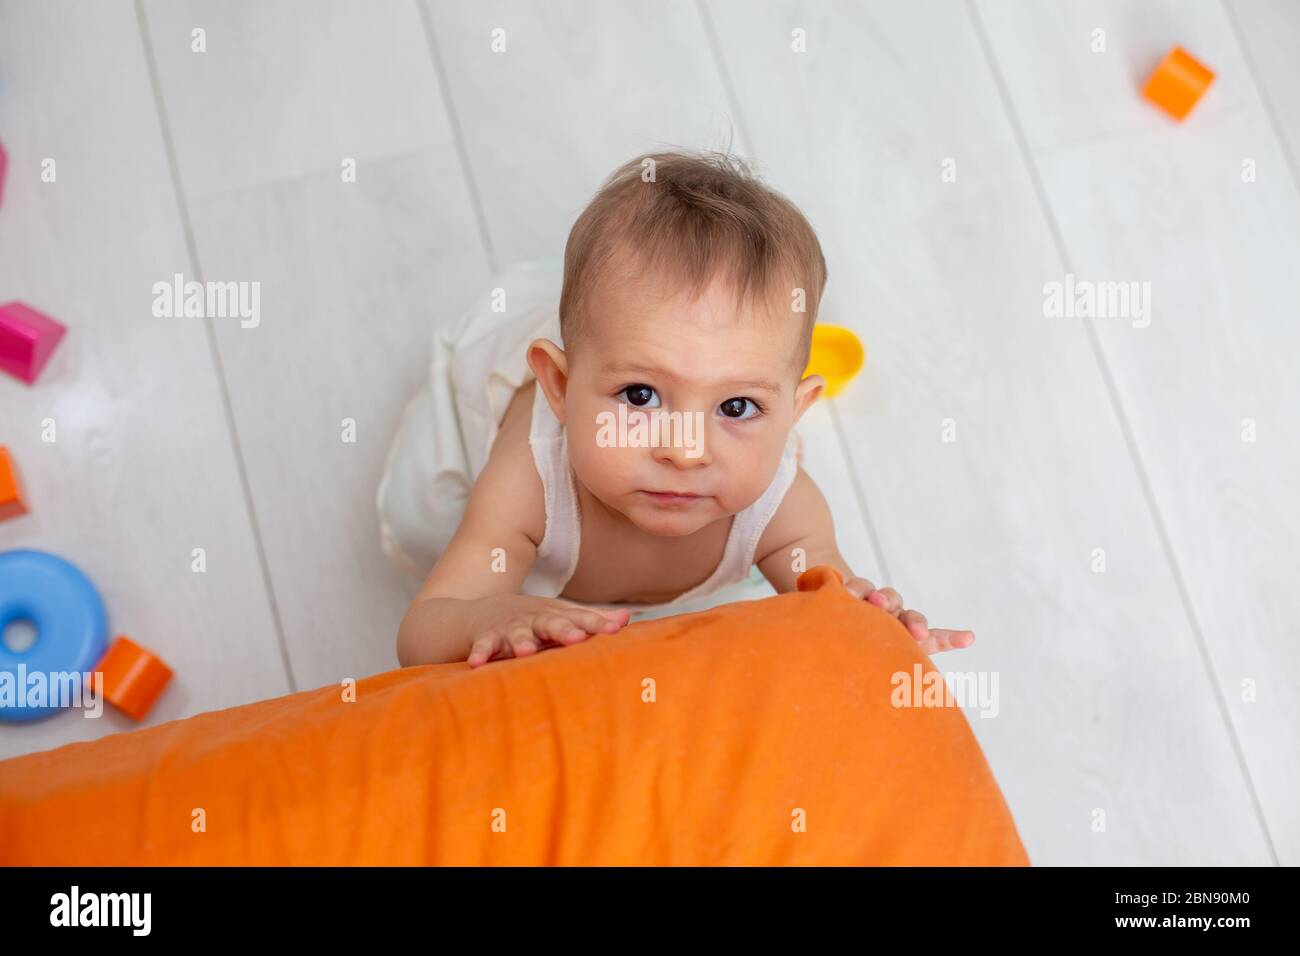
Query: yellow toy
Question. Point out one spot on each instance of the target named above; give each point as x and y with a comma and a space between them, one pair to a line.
837, 356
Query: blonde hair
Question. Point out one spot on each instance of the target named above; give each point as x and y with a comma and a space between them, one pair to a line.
692, 217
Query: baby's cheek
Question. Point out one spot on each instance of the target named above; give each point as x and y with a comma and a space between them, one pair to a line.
609, 469
748, 476
734, 484
740, 493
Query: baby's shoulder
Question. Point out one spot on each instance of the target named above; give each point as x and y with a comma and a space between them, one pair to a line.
510, 480
519, 413
802, 515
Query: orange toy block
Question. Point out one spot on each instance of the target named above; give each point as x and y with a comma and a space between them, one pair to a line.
12, 501
133, 677
1178, 83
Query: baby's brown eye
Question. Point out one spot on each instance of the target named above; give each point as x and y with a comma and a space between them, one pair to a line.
639, 395
736, 407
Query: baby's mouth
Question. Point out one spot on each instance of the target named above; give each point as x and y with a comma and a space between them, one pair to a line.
672, 497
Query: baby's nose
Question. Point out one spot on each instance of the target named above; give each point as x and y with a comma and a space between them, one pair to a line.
685, 454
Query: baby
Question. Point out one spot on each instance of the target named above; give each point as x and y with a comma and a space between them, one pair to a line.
689, 295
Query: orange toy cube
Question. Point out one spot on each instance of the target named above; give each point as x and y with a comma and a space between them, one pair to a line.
133, 677
12, 501
1178, 82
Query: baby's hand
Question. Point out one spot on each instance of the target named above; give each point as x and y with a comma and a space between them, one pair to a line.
930, 640
517, 625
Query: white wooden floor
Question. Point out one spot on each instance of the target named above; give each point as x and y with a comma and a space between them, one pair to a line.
1121, 692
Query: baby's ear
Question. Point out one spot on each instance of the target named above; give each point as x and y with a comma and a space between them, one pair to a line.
550, 366
806, 393
546, 358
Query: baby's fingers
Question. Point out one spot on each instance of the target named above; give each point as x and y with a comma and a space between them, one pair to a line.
859, 587
606, 623
944, 639
916, 625
481, 651
596, 622
887, 599
932, 640
558, 628
952, 640
570, 625
522, 639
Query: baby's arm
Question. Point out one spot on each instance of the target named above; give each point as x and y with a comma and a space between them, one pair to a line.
469, 607
438, 625
803, 520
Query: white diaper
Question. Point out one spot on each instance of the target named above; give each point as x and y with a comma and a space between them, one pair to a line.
448, 427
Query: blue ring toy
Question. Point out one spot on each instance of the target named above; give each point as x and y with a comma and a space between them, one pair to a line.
71, 626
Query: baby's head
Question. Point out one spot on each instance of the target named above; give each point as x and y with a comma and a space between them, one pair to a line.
689, 287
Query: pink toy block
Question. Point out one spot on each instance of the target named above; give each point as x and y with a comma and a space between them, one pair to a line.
4, 164
27, 338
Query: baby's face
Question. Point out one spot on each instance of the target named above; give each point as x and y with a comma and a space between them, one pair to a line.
729, 377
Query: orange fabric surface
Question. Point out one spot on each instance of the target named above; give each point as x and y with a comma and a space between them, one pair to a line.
766, 713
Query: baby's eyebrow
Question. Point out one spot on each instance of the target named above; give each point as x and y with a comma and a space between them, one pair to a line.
758, 383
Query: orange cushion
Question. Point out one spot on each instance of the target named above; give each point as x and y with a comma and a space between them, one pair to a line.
770, 739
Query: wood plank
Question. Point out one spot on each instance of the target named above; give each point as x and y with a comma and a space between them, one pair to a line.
143, 468
1269, 33
291, 87
580, 89
354, 277
1142, 198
